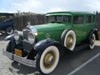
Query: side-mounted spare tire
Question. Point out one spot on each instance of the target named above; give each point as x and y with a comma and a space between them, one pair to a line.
68, 39
47, 59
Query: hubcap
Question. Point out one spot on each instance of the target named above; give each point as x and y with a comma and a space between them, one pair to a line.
9, 30
49, 59
69, 40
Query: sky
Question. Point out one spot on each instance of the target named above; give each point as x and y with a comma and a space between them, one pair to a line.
44, 6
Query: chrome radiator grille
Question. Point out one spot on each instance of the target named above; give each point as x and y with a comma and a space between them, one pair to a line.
25, 33
26, 44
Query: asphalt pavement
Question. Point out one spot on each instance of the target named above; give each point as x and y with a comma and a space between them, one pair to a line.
84, 62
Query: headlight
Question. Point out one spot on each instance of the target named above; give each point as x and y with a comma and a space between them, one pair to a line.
17, 34
31, 37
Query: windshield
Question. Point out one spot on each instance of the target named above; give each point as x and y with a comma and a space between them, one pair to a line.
58, 19
6, 18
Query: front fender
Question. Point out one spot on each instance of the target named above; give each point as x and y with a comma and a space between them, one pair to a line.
45, 43
9, 37
42, 44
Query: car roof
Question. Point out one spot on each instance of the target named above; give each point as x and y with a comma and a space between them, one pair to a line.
69, 13
6, 14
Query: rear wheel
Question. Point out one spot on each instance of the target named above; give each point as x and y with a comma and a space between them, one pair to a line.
47, 60
92, 41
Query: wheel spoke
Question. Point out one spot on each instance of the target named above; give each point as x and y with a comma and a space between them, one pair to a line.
49, 59
69, 41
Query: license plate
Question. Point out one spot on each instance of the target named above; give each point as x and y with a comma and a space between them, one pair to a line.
18, 52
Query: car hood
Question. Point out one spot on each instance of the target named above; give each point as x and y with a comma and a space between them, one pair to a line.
46, 27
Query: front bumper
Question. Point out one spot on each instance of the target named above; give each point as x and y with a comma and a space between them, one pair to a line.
19, 59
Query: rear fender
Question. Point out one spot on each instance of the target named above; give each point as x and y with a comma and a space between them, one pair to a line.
95, 32
90, 34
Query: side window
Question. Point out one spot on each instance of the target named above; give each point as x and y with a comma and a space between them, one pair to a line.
88, 19
59, 18
64, 18
78, 19
50, 19
67, 19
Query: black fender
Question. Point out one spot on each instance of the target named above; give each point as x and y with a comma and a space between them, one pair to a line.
47, 42
9, 37
11, 45
96, 34
42, 45
90, 34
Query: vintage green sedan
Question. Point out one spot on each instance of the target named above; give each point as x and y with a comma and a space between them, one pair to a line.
41, 46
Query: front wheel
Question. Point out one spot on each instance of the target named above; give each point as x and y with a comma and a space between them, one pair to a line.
9, 30
92, 41
47, 60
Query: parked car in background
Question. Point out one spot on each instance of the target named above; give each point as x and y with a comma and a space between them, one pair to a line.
41, 46
6, 23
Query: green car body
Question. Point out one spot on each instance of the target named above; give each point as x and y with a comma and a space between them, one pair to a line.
40, 45
55, 29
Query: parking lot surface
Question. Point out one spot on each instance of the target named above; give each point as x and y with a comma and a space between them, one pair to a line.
84, 62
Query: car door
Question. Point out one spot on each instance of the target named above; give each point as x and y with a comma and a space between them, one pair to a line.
88, 26
78, 27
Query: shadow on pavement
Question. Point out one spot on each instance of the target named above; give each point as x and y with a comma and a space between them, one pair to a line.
68, 62
22, 69
71, 60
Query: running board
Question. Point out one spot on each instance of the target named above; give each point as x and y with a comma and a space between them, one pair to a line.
80, 47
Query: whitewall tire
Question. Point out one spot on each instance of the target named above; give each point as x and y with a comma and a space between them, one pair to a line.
48, 60
9, 31
70, 40
92, 41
